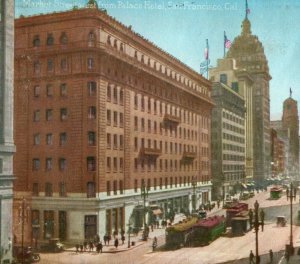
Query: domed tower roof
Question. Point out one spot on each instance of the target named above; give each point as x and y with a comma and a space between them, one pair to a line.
248, 51
290, 109
92, 4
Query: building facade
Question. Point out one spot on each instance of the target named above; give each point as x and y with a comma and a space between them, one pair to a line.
277, 154
106, 112
7, 147
228, 129
248, 52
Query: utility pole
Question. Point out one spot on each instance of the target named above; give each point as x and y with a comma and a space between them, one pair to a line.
23, 216
291, 193
256, 224
144, 195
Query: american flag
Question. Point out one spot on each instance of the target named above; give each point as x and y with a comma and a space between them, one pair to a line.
227, 42
206, 51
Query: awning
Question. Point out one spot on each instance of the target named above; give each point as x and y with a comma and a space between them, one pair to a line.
157, 212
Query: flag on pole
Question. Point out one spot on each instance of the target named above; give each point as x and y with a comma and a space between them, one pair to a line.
227, 42
206, 51
247, 9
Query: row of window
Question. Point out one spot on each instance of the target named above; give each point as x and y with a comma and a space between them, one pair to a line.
233, 128
115, 141
118, 118
62, 163
114, 164
233, 118
168, 146
164, 165
233, 148
233, 157
64, 64
233, 138
37, 90
115, 94
143, 103
152, 127
231, 167
91, 114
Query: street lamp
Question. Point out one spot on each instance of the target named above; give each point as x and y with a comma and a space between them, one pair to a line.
23, 217
129, 230
194, 184
256, 225
144, 195
290, 194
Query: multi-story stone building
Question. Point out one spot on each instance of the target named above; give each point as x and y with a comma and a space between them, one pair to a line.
100, 112
7, 147
277, 154
228, 128
288, 129
248, 52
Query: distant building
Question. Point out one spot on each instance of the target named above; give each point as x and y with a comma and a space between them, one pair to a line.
248, 52
228, 141
100, 113
277, 154
7, 147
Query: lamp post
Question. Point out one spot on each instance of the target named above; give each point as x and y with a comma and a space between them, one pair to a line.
144, 195
23, 217
194, 184
223, 186
290, 194
256, 224
129, 230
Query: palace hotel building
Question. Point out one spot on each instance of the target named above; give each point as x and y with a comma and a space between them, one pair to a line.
99, 112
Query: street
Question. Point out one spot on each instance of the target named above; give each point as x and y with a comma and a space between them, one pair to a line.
222, 250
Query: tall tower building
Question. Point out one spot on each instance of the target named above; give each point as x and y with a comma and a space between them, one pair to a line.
6, 126
290, 121
248, 52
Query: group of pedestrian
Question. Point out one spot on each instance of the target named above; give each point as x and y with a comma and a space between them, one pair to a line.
89, 246
251, 257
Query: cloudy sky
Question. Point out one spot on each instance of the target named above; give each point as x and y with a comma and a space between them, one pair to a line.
181, 27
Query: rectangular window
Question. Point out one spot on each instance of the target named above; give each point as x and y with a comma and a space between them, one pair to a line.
49, 139
36, 115
115, 95
115, 187
63, 64
49, 90
35, 189
108, 190
36, 139
91, 163
48, 114
115, 118
121, 142
121, 164
143, 103
115, 164
121, 97
48, 189
48, 163
135, 101
142, 124
91, 190
121, 120
63, 89
90, 63
223, 78
135, 123
149, 126
62, 138
135, 185
49, 65
135, 144
36, 91
62, 164
91, 138
92, 86
92, 112
62, 189
115, 141
108, 91
63, 114
35, 164
108, 117
108, 164
108, 140
135, 164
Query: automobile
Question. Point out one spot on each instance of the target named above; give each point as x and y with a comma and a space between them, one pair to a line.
281, 221
251, 194
202, 214
54, 245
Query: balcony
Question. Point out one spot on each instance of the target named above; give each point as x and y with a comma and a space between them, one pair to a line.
150, 152
172, 119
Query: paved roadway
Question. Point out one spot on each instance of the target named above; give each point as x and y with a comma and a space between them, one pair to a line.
224, 249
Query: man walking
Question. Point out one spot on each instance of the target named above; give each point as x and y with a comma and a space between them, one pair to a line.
271, 256
251, 258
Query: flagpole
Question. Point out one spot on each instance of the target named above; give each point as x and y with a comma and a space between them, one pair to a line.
207, 58
224, 43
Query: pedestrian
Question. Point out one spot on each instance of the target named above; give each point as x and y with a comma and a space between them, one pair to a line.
287, 256
262, 219
251, 257
123, 239
116, 243
105, 239
250, 218
154, 244
271, 256
91, 246
100, 246
77, 248
108, 239
81, 248
151, 227
96, 239
85, 245
218, 203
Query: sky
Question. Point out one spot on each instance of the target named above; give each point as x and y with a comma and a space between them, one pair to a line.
181, 27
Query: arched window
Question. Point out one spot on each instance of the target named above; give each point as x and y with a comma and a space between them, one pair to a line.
115, 44
122, 47
63, 38
36, 41
91, 36
108, 40
50, 40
